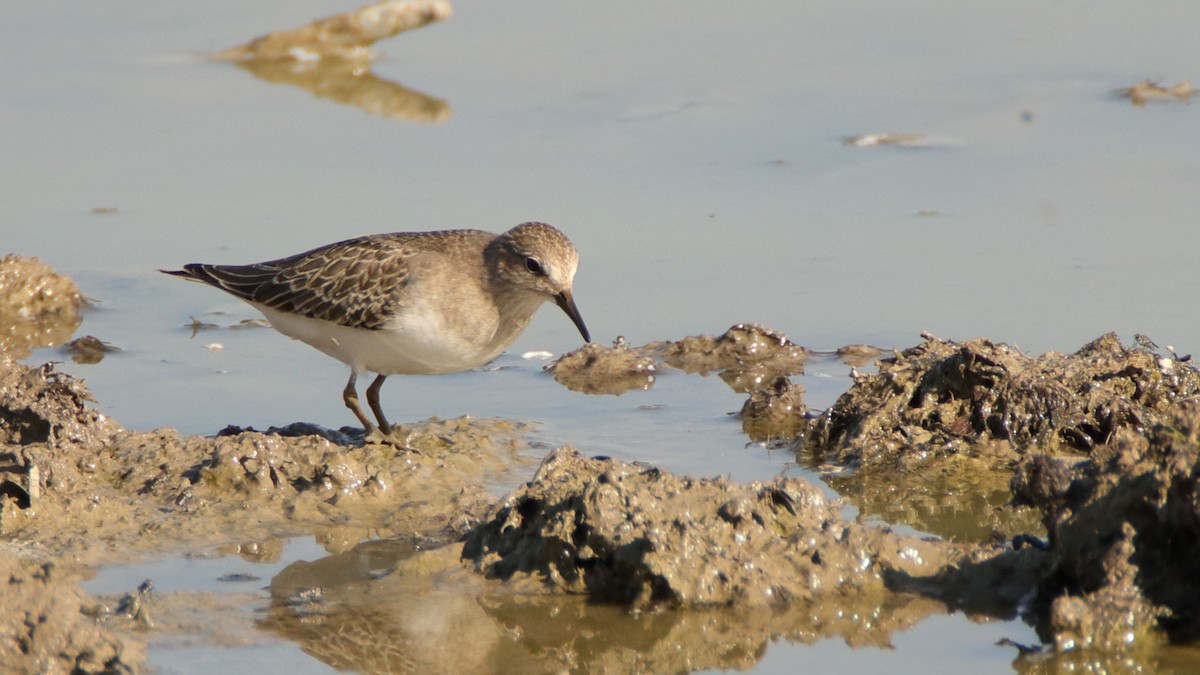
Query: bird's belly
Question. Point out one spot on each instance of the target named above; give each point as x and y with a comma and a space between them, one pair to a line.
413, 347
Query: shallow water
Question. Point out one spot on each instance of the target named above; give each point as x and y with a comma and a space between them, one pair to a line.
692, 151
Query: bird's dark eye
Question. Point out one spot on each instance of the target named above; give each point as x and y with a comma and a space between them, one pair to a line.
534, 266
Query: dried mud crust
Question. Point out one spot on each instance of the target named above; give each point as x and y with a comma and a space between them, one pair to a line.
640, 535
73, 483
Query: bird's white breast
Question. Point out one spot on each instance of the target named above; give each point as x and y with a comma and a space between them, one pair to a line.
413, 343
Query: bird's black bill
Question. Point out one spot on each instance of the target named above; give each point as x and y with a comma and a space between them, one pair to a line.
567, 303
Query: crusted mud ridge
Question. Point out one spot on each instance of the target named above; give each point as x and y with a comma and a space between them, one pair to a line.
988, 399
640, 535
932, 438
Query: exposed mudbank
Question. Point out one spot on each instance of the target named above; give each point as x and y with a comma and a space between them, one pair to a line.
1098, 448
49, 625
1101, 446
80, 486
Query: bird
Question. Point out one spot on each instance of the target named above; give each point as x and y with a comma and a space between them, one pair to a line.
408, 303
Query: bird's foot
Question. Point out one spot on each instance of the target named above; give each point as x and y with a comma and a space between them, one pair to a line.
398, 437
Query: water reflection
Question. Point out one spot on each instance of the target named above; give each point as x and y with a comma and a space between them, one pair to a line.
386, 606
331, 58
351, 83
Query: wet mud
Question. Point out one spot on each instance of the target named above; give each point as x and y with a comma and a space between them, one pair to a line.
38, 306
1072, 475
748, 357
75, 482
642, 536
77, 490
49, 625
932, 438
1075, 473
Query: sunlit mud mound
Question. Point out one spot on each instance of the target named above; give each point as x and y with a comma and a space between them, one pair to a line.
747, 357
49, 625
75, 483
597, 369
775, 411
38, 307
944, 398
932, 438
1124, 532
640, 535
45, 406
346, 36
752, 352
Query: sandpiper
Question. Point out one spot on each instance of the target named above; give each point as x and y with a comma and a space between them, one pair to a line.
408, 302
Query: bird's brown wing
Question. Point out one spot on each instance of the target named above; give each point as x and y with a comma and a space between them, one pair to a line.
353, 283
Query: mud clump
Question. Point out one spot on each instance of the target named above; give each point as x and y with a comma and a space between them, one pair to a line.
945, 422
942, 398
47, 627
44, 405
38, 307
89, 350
751, 352
596, 369
1124, 533
775, 411
643, 536
747, 357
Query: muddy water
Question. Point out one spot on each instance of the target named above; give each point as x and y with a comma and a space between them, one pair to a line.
695, 156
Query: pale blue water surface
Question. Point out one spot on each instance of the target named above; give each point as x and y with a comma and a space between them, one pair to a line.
692, 151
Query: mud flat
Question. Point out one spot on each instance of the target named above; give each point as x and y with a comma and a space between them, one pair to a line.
1069, 480
1075, 475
